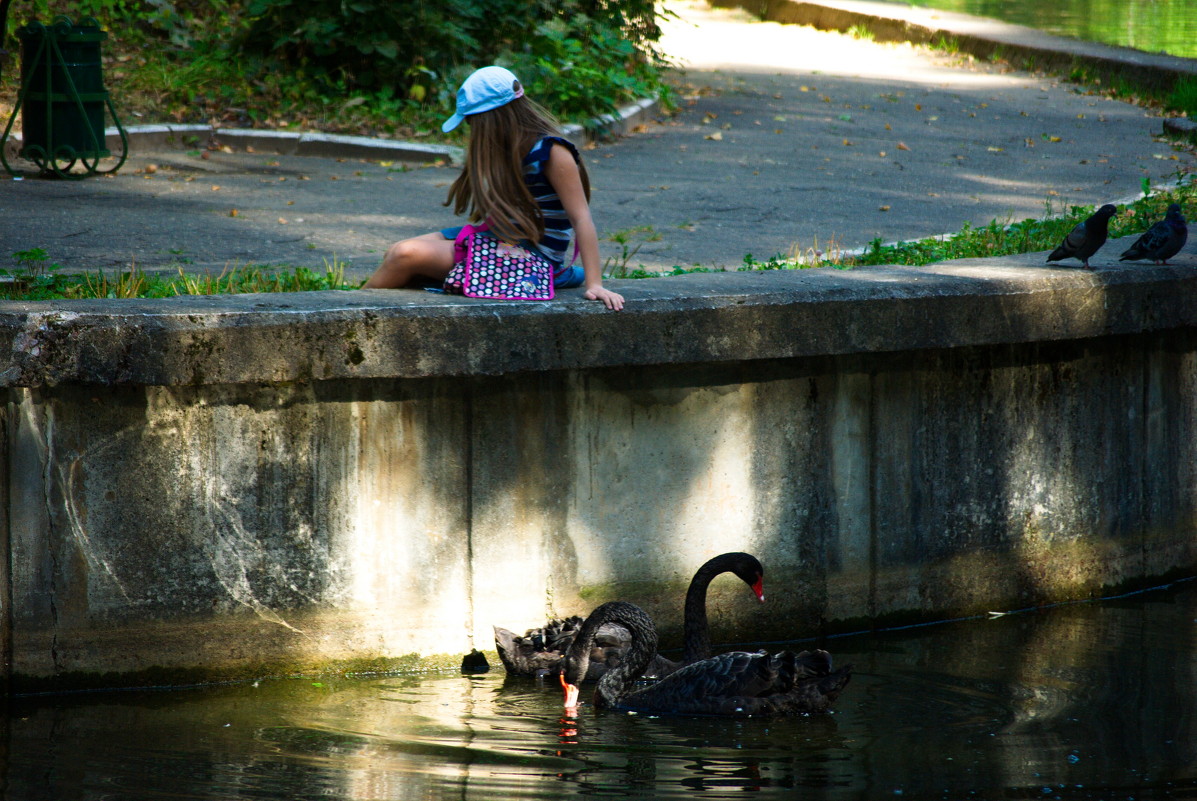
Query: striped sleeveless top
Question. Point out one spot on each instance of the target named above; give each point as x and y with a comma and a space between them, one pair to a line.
557, 228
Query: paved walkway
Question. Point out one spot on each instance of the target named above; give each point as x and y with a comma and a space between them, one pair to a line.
787, 139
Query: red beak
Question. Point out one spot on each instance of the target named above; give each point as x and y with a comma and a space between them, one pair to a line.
571, 693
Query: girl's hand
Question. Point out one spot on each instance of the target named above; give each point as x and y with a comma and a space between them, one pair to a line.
612, 300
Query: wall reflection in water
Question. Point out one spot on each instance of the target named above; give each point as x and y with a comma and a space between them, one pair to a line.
1082, 701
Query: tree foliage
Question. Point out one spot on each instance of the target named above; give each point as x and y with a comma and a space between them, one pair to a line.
578, 57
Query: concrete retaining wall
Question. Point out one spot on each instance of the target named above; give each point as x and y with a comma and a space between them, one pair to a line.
216, 488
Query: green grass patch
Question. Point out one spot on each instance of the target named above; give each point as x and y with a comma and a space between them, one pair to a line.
862, 32
1183, 97
1025, 236
37, 279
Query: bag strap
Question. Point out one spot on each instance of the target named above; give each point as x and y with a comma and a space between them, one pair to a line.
459, 248
459, 244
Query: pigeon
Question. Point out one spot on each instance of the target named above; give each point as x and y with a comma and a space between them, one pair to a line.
1162, 241
1085, 240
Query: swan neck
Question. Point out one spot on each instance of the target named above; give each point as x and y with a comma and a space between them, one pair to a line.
620, 680
696, 638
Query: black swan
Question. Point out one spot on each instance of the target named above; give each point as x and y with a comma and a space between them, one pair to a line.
539, 651
733, 684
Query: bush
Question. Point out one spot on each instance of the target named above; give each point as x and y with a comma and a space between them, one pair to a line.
581, 57
361, 66
182, 23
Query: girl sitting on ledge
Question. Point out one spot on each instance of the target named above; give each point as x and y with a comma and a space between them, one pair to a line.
520, 176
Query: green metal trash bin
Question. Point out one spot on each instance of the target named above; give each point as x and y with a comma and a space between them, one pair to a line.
62, 101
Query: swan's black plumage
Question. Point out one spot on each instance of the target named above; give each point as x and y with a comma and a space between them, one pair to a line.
737, 684
540, 650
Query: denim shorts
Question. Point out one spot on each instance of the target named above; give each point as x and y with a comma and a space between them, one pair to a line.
563, 278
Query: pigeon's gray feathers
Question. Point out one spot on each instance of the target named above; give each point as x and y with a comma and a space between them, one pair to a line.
1086, 238
1161, 241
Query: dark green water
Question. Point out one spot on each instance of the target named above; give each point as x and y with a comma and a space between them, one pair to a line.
1089, 701
1168, 26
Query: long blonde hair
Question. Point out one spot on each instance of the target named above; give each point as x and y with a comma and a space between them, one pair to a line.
491, 186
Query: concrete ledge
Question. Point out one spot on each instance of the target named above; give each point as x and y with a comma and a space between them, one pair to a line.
1181, 128
984, 38
281, 142
682, 320
619, 124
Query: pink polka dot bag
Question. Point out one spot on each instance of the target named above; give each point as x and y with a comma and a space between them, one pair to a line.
486, 267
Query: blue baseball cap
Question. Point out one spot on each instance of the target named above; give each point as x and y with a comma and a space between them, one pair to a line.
487, 88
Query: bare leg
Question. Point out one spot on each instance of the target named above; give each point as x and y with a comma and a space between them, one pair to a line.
428, 256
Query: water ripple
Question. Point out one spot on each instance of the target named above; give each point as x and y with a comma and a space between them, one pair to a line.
1086, 701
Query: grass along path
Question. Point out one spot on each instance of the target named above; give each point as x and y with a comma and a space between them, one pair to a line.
37, 278
993, 240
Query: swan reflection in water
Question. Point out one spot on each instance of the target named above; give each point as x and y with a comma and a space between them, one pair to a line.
672, 756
